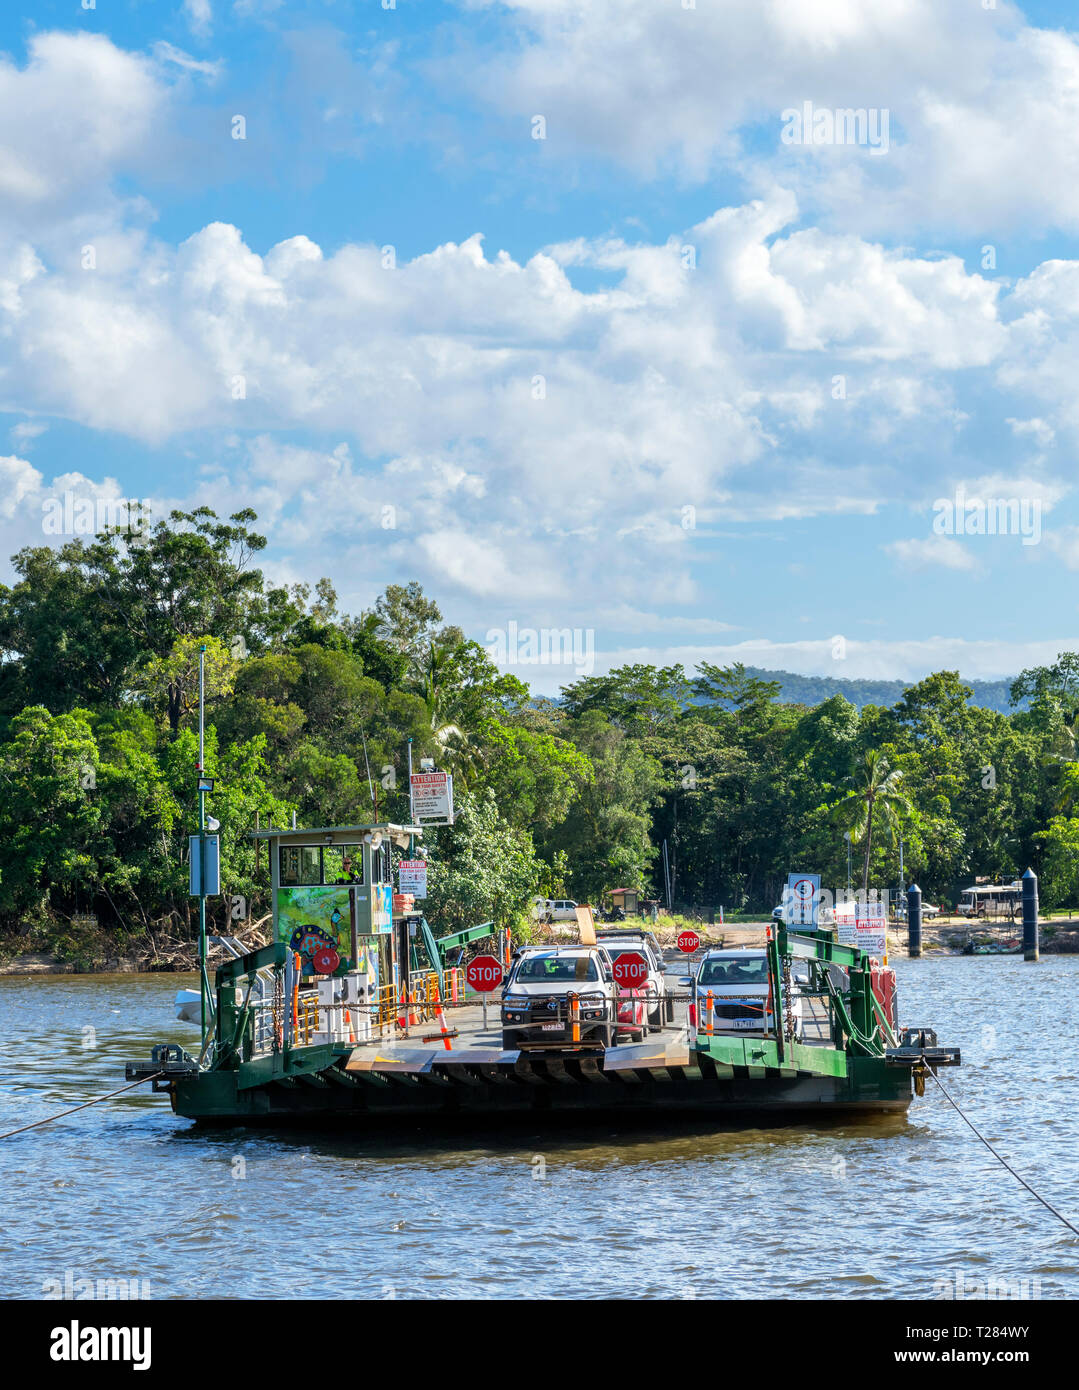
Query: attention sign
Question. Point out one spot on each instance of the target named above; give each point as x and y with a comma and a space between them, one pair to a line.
432, 798
412, 877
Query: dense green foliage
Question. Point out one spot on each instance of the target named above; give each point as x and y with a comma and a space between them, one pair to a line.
812, 690
310, 711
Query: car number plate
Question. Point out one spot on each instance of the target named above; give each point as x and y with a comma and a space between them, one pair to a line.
550, 1027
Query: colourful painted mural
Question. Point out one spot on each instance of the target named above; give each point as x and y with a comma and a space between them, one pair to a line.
316, 921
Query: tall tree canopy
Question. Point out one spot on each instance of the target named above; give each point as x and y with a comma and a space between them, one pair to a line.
312, 711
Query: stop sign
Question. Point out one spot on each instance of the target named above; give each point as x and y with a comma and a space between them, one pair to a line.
483, 973
688, 941
631, 970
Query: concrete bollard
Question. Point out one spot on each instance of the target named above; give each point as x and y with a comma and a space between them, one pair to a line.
914, 921
1030, 915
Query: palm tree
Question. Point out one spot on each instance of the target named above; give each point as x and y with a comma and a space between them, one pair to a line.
458, 748
875, 791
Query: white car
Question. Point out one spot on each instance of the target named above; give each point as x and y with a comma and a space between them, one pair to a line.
554, 910
536, 1003
619, 943
737, 979
928, 910
825, 916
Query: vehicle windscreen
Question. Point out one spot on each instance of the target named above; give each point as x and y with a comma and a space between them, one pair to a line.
615, 951
556, 969
753, 971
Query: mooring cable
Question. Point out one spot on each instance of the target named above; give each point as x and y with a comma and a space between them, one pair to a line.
96, 1101
1018, 1177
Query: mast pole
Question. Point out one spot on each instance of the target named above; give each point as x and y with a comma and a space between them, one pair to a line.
204, 988
411, 836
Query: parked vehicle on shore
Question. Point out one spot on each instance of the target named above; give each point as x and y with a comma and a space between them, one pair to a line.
554, 910
928, 910
825, 915
737, 979
990, 900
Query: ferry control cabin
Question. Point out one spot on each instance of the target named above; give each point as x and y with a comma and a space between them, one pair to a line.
351, 940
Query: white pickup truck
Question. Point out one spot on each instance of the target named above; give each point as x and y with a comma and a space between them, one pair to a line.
554, 910
536, 1002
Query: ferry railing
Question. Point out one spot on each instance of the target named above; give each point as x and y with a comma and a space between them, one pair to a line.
416, 1005
249, 988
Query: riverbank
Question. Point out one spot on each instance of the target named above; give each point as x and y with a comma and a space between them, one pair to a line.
150, 956
1056, 938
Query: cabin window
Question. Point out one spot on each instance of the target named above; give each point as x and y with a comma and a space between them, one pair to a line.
342, 864
300, 865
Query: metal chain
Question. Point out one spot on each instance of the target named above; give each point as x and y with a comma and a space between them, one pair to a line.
278, 1009
788, 1006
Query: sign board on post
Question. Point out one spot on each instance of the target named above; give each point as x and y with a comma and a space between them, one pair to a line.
862, 924
801, 899
205, 878
871, 929
688, 941
432, 798
412, 877
630, 970
483, 974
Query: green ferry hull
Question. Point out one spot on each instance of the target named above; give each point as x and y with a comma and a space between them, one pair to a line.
531, 1085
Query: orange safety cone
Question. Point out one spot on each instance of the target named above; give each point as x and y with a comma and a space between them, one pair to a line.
442, 1022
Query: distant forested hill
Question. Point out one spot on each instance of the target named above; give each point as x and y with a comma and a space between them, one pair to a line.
811, 690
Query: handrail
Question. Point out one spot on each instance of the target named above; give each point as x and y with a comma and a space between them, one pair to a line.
463, 937
871, 1043
882, 1018
273, 955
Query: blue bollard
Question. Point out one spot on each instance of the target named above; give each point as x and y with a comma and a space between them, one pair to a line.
1030, 915
914, 921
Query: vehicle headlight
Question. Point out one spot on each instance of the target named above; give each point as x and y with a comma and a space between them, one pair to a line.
515, 1001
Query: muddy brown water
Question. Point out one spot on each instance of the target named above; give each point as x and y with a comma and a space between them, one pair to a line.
892, 1207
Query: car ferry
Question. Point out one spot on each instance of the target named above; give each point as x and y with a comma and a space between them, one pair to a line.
357, 1011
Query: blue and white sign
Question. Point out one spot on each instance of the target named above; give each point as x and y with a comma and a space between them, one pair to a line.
801, 899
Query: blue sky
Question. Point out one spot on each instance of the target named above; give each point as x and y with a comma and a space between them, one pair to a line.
658, 375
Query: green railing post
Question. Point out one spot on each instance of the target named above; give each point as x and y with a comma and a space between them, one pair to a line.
777, 947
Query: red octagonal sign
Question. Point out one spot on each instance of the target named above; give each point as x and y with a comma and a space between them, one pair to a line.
688, 941
631, 970
483, 973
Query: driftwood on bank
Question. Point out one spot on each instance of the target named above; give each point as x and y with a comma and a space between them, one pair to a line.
163, 951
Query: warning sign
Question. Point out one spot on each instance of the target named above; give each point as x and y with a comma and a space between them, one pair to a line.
432, 798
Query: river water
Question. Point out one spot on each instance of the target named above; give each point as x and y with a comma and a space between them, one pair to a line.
908, 1207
